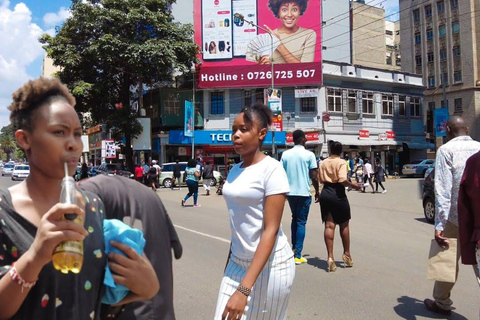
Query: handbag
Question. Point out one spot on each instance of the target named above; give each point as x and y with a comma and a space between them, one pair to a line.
442, 262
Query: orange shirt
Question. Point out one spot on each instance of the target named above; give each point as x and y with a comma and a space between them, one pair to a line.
332, 170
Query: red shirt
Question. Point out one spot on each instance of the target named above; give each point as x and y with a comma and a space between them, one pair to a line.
138, 172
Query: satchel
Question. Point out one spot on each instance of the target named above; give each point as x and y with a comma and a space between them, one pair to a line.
442, 263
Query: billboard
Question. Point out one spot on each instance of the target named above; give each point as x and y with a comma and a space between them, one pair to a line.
189, 125
235, 53
144, 140
440, 121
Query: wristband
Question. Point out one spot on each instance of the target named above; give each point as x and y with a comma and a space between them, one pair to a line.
19, 280
244, 290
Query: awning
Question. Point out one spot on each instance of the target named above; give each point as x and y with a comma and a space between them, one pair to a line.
420, 145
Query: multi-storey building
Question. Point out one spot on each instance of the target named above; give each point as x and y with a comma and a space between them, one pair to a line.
440, 41
392, 43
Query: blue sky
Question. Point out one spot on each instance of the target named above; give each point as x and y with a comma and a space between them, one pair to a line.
22, 22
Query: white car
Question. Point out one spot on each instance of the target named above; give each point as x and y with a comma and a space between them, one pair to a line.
20, 172
165, 178
7, 169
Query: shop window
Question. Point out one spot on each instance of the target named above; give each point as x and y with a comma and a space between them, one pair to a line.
334, 97
217, 103
402, 111
308, 105
352, 101
367, 102
387, 102
457, 103
457, 76
415, 107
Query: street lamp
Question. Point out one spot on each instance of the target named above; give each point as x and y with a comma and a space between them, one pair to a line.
242, 18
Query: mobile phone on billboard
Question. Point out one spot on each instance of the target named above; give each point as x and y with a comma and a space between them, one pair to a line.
217, 29
242, 31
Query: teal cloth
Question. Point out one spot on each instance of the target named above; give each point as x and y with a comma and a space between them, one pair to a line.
116, 230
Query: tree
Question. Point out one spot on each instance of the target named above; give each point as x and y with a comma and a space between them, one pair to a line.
109, 46
8, 143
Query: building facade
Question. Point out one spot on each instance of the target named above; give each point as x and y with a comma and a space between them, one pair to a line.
440, 40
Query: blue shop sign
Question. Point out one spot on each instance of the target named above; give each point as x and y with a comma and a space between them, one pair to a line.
218, 137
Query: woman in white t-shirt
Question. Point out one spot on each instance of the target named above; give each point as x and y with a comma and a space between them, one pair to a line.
260, 269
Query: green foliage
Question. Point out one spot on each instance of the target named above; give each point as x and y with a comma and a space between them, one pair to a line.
107, 46
8, 143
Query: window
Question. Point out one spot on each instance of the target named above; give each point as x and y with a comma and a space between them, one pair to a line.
389, 60
442, 104
428, 11
418, 61
398, 60
418, 38
387, 102
247, 98
455, 27
457, 103
334, 97
443, 55
457, 76
442, 31
445, 77
367, 102
454, 3
308, 105
171, 105
402, 111
415, 107
416, 15
431, 106
440, 7
456, 52
389, 32
217, 105
352, 101
431, 81
430, 57
429, 34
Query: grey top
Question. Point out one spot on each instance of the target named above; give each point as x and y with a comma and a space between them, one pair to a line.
126, 197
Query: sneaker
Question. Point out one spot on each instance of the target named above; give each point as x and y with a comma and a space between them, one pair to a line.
183, 203
432, 306
197, 205
301, 260
384, 191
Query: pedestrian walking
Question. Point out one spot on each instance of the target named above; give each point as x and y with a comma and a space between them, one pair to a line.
367, 175
145, 168
449, 167
334, 204
176, 175
159, 170
125, 198
260, 269
469, 214
300, 166
207, 177
192, 176
359, 170
379, 176
33, 223
139, 173
152, 177
84, 174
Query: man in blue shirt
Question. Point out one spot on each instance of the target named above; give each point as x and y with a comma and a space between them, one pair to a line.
300, 166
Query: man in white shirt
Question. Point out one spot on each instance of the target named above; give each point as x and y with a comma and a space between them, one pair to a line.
159, 170
300, 166
449, 166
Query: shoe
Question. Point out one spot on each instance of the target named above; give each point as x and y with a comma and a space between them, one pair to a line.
331, 265
183, 203
433, 306
197, 205
301, 260
208, 192
384, 191
347, 261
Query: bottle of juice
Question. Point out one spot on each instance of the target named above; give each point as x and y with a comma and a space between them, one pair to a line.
68, 255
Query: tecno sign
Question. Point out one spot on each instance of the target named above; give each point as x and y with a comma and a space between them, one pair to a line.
221, 137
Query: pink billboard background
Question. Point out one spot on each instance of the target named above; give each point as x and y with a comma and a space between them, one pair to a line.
230, 49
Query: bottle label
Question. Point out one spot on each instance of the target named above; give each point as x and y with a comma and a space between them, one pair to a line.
70, 246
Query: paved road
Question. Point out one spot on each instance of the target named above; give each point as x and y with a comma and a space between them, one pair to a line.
390, 241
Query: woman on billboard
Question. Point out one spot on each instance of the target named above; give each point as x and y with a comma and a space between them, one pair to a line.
292, 43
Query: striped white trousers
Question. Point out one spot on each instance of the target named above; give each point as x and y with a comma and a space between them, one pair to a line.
269, 297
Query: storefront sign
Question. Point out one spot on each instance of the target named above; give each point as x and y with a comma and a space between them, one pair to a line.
382, 137
189, 125
390, 135
363, 134
97, 128
273, 98
440, 121
306, 93
109, 149
220, 137
311, 137
218, 149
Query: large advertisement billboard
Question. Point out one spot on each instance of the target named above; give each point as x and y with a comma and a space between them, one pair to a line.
236, 53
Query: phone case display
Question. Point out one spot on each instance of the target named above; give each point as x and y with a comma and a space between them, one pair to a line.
216, 29
243, 32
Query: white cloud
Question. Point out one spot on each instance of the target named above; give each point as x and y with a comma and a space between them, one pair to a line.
54, 19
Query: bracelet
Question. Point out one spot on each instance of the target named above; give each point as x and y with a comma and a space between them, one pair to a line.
19, 280
244, 290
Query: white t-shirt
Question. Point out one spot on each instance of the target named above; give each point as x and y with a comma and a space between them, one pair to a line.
245, 191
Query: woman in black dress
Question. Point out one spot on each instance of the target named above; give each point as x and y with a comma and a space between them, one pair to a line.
334, 203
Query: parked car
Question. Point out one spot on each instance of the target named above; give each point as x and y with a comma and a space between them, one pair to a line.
428, 197
417, 167
7, 169
429, 170
20, 172
165, 178
111, 169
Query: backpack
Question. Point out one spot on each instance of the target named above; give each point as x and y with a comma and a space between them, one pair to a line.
152, 171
